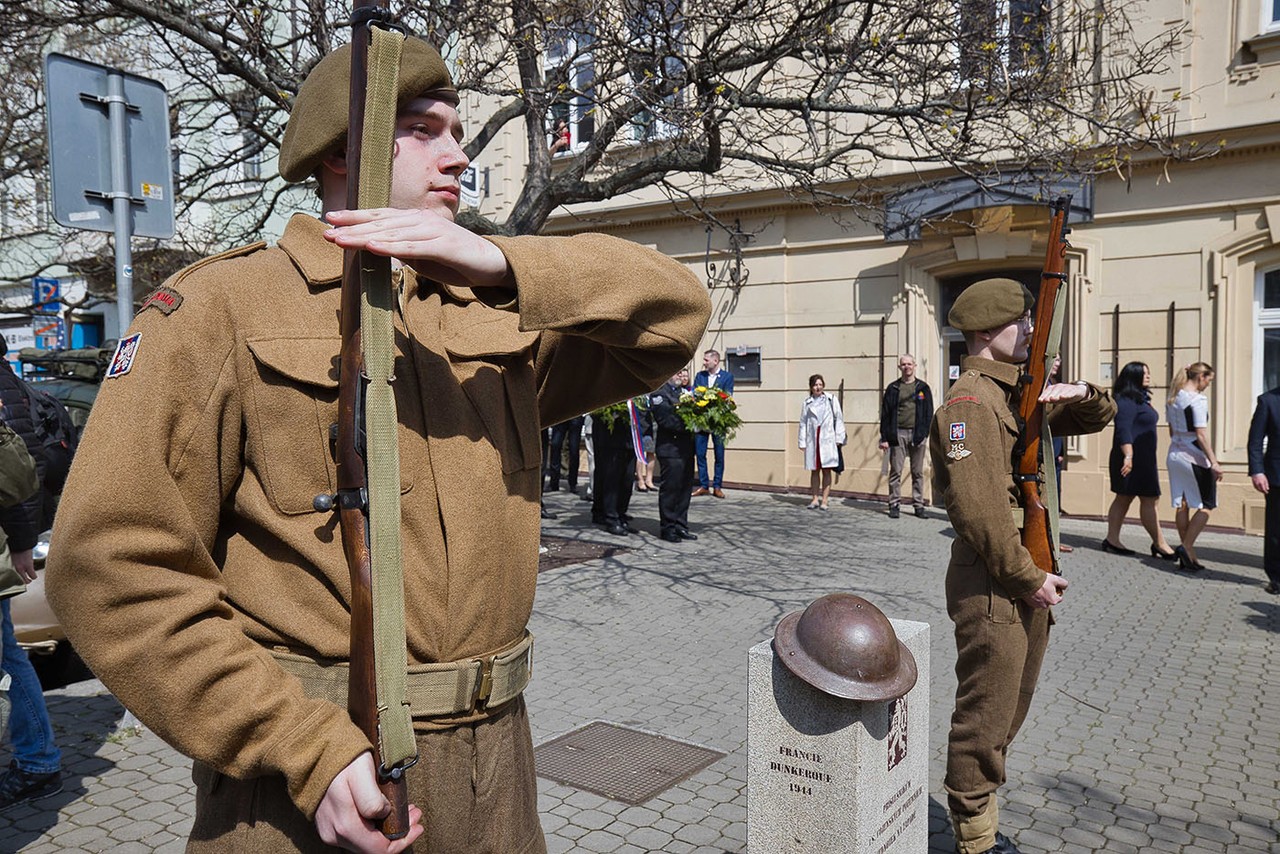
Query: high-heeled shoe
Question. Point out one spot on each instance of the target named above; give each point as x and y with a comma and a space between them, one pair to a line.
1185, 562
1155, 552
1108, 546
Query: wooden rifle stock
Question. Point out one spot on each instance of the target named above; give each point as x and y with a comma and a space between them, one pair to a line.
349, 453
1036, 531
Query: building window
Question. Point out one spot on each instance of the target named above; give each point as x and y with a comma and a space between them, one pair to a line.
1271, 21
999, 37
1267, 340
656, 29
570, 74
42, 204
244, 106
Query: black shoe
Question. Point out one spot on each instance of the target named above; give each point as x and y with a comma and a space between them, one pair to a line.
893, 512
617, 530
685, 535
1185, 562
554, 486
20, 787
546, 514
1004, 845
1108, 546
919, 512
1272, 588
1155, 552
672, 537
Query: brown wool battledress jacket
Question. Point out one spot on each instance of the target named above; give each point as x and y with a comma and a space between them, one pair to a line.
971, 445
186, 542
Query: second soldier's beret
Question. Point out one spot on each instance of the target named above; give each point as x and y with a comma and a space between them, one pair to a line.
318, 122
988, 304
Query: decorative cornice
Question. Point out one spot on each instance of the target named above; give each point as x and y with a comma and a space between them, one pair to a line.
765, 203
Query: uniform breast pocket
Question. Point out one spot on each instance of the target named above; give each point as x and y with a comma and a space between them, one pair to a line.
295, 400
493, 365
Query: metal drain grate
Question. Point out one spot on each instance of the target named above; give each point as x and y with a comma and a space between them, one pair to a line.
618, 763
562, 551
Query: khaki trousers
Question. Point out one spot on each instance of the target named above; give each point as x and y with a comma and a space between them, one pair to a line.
898, 455
474, 783
1000, 644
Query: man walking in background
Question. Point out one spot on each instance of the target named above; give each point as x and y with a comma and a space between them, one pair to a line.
1264, 472
905, 415
711, 377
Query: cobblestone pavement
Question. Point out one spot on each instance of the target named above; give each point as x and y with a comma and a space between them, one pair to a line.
1156, 726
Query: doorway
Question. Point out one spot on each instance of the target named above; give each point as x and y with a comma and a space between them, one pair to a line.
950, 287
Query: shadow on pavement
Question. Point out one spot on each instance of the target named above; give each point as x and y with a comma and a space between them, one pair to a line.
1268, 616
81, 724
941, 837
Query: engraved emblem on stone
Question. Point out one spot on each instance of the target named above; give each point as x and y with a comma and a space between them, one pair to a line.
897, 732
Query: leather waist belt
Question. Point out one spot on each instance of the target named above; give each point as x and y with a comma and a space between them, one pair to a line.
435, 690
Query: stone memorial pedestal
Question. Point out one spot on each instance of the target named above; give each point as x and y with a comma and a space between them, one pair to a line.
825, 774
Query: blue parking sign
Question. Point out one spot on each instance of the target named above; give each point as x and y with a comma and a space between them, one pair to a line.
45, 293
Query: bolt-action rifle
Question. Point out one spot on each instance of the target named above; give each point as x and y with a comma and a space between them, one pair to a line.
351, 446
1036, 528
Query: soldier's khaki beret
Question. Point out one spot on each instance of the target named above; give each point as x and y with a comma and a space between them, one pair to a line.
988, 304
318, 123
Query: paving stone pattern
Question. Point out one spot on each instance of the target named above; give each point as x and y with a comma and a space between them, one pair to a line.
1156, 727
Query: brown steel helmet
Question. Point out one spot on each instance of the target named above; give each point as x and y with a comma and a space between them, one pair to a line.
845, 646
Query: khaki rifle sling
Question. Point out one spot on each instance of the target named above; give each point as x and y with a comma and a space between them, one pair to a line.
377, 306
1048, 462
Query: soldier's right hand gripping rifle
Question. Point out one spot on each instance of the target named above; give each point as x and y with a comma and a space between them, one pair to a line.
366, 447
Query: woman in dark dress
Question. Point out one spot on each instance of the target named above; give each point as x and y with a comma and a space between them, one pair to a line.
1133, 461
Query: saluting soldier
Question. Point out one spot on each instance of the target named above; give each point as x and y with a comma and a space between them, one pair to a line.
997, 597
190, 565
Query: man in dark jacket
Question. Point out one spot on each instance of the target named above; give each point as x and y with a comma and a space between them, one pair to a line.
674, 449
905, 415
35, 771
1264, 471
614, 474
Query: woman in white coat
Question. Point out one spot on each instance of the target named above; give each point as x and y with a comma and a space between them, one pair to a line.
821, 434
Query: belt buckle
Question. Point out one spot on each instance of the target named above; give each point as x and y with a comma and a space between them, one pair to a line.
484, 685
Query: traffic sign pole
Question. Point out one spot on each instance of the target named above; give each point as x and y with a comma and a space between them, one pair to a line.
116, 104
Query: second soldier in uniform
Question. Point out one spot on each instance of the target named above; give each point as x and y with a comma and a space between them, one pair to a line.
997, 597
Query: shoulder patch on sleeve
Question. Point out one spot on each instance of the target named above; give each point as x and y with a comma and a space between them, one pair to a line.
164, 298
966, 397
126, 352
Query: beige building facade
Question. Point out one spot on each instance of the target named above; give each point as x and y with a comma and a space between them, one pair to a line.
1171, 269
1172, 262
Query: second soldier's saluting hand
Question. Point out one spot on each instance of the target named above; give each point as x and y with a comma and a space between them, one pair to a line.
1050, 593
1063, 392
434, 246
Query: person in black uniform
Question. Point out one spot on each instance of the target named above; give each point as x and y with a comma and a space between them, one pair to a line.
674, 449
615, 474
1264, 473
571, 431
1133, 461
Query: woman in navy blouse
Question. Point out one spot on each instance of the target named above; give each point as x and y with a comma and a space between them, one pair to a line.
1133, 461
